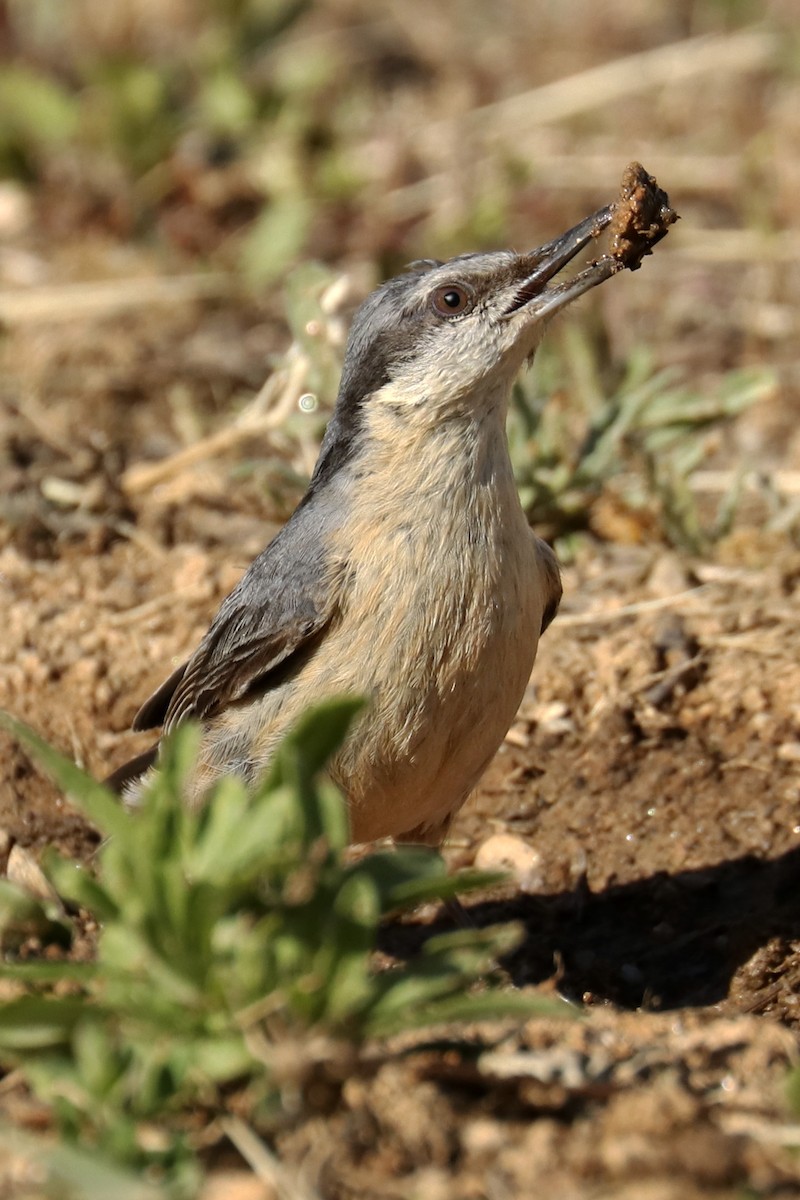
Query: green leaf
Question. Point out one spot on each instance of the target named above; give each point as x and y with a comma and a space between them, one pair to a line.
38, 972
177, 756
34, 108
315, 737
100, 805
222, 1058
492, 940
276, 238
490, 1005
403, 867
333, 815
447, 963
23, 915
226, 104
130, 953
73, 882
217, 837
417, 891
38, 1023
76, 1173
349, 942
96, 1058
411, 875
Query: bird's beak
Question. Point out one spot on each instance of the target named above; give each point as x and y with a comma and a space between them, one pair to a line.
639, 218
533, 294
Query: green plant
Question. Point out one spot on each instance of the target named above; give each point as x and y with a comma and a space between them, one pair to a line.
572, 432
234, 954
35, 115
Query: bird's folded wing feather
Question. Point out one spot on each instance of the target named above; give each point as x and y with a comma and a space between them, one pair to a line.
551, 580
284, 602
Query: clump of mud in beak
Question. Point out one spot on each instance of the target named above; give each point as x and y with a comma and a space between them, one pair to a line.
637, 220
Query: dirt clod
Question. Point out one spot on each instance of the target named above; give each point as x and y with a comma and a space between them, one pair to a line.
642, 217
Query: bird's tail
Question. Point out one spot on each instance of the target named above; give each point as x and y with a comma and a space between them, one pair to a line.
120, 781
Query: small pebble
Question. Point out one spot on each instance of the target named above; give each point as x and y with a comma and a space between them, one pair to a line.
668, 576
506, 852
23, 870
16, 210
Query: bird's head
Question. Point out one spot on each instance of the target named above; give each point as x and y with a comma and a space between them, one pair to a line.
445, 337
445, 340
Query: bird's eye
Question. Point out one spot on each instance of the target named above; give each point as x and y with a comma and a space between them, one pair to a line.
450, 300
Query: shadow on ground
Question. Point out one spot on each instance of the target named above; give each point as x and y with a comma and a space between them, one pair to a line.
695, 938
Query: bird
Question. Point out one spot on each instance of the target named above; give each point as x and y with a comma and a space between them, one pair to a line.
408, 573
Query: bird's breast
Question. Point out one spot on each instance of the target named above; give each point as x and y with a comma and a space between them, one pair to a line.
442, 614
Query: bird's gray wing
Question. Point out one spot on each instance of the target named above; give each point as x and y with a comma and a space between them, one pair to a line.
551, 578
281, 607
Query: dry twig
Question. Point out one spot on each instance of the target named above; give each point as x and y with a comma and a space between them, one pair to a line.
665, 66
264, 1164
69, 301
600, 616
267, 411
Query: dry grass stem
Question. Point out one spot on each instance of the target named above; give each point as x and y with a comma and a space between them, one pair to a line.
263, 1162
736, 245
600, 616
785, 482
665, 66
70, 301
686, 172
589, 173
267, 411
765, 1132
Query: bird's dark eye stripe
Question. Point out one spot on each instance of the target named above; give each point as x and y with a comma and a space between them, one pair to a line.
450, 300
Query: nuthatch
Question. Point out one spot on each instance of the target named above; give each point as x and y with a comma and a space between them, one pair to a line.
408, 572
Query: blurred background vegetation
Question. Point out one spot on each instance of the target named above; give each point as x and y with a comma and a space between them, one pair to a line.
231, 140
